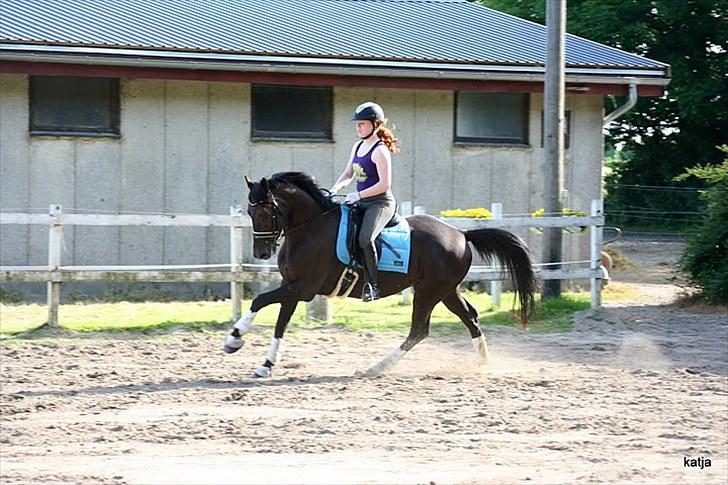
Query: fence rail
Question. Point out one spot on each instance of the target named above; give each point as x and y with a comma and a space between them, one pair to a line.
236, 272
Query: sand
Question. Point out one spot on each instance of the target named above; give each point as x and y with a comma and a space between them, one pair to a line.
634, 390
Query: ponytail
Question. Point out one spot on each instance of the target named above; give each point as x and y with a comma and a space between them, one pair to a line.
386, 135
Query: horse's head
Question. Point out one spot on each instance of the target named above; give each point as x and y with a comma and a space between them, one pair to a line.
267, 216
285, 202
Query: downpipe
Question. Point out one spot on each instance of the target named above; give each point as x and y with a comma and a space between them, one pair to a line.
631, 101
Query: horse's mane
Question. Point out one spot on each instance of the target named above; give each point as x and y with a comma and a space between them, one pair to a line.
307, 184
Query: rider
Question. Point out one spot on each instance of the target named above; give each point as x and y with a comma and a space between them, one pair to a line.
370, 163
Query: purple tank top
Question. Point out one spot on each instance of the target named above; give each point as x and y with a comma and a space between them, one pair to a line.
365, 170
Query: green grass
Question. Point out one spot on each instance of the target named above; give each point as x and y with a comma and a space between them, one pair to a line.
388, 314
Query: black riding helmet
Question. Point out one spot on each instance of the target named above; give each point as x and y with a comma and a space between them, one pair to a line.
368, 111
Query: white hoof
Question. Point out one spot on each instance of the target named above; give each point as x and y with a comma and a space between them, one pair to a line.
232, 344
262, 372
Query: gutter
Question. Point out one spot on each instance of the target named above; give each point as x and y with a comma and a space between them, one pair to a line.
325, 66
628, 105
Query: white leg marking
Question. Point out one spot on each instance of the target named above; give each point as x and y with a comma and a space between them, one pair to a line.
275, 348
386, 364
245, 322
275, 352
481, 348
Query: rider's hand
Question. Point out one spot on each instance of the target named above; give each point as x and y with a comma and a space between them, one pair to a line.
352, 197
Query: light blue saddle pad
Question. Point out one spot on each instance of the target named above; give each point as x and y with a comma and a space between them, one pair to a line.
397, 236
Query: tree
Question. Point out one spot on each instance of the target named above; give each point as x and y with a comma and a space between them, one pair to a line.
706, 255
660, 137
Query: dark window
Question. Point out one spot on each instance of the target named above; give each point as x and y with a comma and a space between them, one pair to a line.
291, 112
567, 129
74, 105
491, 118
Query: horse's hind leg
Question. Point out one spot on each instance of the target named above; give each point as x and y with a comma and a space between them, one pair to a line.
421, 311
456, 303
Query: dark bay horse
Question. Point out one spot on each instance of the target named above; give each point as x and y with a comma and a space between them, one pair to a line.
291, 204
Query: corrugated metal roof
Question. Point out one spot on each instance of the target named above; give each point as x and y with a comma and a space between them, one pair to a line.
442, 31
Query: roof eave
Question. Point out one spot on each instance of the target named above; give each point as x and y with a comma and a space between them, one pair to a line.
655, 76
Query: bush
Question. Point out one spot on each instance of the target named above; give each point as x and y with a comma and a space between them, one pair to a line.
706, 256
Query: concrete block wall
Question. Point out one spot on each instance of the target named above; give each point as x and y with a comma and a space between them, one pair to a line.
185, 146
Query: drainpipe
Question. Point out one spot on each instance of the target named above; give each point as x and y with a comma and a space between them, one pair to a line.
625, 107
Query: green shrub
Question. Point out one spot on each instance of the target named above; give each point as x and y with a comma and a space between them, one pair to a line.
706, 256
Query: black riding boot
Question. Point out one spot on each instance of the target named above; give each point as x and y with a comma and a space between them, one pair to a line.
371, 290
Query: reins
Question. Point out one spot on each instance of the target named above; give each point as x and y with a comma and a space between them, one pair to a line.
280, 221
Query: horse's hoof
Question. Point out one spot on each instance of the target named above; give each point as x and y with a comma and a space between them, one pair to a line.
374, 371
262, 372
232, 344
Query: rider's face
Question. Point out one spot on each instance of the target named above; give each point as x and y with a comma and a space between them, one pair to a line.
363, 128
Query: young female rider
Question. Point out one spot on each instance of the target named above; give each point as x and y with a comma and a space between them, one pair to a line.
370, 163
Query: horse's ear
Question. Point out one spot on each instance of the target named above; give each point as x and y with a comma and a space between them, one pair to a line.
264, 184
249, 182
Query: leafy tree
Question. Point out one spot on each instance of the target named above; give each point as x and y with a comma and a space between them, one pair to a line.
706, 255
661, 136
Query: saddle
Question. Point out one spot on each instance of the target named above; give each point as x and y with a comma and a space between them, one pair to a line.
393, 247
356, 216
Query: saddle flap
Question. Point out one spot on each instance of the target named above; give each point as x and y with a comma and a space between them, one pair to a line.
393, 244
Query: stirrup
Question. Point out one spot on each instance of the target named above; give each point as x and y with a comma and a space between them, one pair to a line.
370, 292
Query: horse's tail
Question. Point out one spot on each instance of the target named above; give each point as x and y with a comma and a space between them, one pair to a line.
514, 254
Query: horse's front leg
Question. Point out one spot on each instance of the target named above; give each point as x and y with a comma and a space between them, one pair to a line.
288, 306
234, 341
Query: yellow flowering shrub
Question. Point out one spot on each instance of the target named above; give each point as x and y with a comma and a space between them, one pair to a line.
474, 213
565, 211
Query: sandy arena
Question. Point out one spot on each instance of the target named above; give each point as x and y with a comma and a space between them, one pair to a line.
635, 390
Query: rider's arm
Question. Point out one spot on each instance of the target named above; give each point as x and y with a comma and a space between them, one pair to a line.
383, 160
346, 176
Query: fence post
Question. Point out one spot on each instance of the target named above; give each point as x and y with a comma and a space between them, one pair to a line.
236, 259
319, 309
496, 286
55, 242
597, 207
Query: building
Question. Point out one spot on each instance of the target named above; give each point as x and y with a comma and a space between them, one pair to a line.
133, 106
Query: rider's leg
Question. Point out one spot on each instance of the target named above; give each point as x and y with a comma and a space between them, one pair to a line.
378, 211
371, 288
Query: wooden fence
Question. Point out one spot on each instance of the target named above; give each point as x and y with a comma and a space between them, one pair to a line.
236, 272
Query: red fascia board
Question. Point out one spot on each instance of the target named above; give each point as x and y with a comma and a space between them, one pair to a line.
84, 70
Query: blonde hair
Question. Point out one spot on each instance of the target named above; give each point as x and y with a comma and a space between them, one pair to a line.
386, 135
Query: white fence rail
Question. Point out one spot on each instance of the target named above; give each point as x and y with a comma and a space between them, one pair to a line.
559, 271
236, 272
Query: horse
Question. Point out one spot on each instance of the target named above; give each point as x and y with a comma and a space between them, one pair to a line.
291, 204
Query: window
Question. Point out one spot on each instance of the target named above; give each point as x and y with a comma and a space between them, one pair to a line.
291, 112
491, 118
74, 105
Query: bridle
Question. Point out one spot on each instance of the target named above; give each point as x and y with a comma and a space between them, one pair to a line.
279, 222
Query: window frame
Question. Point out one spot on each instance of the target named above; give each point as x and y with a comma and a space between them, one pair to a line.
113, 130
487, 141
325, 136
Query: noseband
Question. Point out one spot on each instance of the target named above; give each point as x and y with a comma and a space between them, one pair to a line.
279, 222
